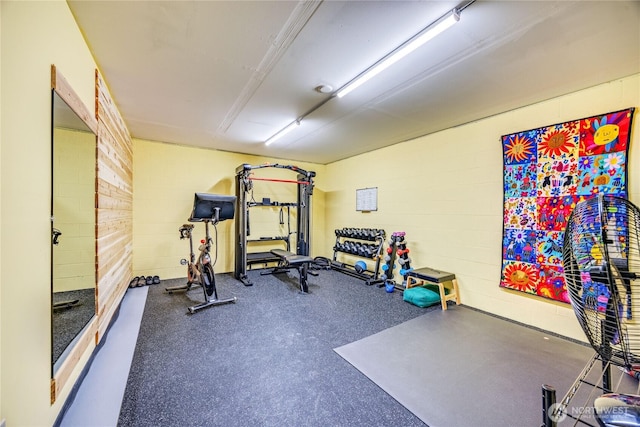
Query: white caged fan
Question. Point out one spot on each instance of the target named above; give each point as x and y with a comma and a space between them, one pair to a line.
601, 258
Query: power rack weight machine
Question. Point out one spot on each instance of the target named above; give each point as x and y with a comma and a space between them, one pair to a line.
244, 184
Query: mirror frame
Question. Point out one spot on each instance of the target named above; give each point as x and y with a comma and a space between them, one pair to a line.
59, 378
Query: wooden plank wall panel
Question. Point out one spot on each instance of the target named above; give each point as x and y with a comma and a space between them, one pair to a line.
70, 363
113, 150
114, 202
66, 92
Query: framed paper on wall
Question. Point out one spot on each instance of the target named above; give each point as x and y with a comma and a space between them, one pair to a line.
367, 199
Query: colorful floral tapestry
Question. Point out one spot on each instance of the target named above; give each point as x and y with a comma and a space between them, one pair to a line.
546, 172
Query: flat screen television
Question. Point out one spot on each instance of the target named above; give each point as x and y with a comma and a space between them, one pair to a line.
204, 207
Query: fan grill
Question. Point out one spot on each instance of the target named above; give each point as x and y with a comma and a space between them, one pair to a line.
601, 255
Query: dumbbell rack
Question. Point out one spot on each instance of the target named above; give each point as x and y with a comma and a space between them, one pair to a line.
397, 251
358, 248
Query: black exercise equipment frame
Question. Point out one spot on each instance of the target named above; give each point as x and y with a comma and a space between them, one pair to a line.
244, 184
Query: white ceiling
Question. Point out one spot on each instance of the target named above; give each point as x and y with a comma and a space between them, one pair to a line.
228, 75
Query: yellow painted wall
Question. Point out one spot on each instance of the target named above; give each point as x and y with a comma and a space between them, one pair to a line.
34, 35
166, 176
445, 191
1, 180
74, 189
1, 419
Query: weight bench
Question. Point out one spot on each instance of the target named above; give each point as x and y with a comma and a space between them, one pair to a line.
290, 260
420, 276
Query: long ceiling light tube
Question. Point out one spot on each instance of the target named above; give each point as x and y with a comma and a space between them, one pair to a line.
403, 50
428, 33
291, 126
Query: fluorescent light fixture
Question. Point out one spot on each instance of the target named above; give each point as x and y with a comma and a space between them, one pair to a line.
429, 32
291, 126
403, 50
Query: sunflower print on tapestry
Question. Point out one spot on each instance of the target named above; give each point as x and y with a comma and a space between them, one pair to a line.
546, 172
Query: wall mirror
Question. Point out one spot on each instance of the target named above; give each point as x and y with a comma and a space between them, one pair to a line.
73, 219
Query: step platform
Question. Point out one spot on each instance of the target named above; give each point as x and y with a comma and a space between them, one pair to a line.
425, 275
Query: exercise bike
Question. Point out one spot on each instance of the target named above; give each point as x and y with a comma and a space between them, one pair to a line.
200, 270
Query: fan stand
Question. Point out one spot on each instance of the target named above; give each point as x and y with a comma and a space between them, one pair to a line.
554, 411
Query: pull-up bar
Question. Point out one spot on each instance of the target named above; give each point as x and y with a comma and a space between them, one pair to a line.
293, 181
245, 168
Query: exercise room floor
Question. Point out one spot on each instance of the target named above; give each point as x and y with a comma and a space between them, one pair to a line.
279, 358
99, 397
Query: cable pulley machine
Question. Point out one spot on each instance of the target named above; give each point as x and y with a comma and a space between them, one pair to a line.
244, 185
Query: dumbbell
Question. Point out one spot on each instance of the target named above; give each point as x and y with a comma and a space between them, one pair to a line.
366, 251
362, 250
404, 272
353, 248
371, 251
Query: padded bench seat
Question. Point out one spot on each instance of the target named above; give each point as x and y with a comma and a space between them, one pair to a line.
431, 275
291, 258
299, 262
